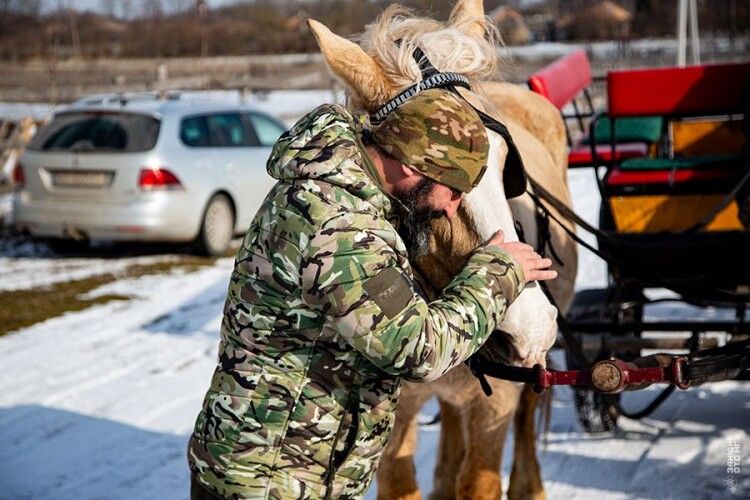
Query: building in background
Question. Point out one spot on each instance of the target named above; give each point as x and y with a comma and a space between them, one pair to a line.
604, 20
512, 25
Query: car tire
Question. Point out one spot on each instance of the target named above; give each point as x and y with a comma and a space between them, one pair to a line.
63, 246
217, 227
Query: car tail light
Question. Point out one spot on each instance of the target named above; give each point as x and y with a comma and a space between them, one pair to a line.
19, 179
158, 178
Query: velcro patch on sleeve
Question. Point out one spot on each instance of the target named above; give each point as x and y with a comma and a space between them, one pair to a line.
390, 290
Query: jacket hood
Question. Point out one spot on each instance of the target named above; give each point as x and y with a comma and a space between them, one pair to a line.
325, 145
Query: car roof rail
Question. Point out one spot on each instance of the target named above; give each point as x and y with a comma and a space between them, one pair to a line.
124, 98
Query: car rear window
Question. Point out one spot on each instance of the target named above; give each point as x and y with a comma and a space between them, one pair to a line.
98, 132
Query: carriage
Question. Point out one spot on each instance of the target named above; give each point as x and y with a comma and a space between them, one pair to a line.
671, 160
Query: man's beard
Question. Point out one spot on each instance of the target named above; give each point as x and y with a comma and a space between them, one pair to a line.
414, 227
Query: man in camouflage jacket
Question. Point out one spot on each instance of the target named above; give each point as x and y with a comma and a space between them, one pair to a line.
322, 320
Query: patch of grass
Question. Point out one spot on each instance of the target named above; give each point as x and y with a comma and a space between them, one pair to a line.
187, 263
23, 308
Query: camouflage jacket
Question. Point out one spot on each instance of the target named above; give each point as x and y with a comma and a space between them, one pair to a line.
322, 323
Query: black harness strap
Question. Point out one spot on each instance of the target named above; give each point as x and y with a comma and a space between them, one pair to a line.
438, 80
514, 173
431, 79
544, 236
681, 288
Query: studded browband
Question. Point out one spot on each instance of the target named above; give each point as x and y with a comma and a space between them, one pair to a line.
431, 79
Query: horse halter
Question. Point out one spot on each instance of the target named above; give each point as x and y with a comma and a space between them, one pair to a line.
514, 173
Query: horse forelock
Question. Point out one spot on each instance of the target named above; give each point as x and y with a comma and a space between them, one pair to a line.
450, 47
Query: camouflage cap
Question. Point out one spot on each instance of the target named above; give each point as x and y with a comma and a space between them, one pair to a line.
439, 134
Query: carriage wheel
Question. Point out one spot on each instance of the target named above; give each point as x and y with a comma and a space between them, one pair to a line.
599, 412
596, 412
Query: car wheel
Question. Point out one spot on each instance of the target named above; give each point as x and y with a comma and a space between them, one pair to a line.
217, 227
67, 246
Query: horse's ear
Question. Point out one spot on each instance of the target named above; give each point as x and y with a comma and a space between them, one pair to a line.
470, 14
353, 66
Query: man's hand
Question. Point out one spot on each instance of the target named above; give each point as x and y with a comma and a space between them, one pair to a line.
534, 266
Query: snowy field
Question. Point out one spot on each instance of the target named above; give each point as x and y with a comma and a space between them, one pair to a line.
99, 404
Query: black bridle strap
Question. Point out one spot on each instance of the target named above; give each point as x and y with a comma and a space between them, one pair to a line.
438, 80
424, 63
514, 178
514, 173
431, 79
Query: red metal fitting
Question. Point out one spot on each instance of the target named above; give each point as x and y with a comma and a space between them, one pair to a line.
678, 374
610, 376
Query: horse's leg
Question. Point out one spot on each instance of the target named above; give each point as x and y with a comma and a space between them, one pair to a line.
450, 453
525, 477
479, 477
396, 476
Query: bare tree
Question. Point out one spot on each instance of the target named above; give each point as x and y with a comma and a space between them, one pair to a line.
109, 7
126, 9
151, 9
75, 33
180, 5
28, 7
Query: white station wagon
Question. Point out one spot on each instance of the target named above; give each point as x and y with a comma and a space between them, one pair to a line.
140, 167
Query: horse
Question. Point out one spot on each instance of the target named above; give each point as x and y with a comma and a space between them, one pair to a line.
474, 426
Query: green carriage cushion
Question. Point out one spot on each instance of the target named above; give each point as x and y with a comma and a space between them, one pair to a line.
675, 163
639, 129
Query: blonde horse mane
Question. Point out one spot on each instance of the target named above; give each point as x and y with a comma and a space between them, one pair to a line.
451, 46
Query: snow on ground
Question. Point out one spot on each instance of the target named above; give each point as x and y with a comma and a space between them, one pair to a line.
6, 208
23, 273
100, 403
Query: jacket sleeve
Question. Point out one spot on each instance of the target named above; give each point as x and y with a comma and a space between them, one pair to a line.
353, 278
